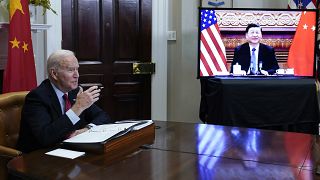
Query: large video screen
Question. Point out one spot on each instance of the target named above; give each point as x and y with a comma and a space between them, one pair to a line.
256, 42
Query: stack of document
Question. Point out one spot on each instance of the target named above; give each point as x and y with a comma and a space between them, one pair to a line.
107, 132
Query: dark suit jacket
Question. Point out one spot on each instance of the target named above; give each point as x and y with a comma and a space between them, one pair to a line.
42, 122
267, 55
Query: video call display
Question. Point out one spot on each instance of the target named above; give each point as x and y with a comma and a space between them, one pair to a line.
256, 42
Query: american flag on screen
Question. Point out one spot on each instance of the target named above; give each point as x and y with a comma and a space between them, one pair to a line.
212, 51
302, 4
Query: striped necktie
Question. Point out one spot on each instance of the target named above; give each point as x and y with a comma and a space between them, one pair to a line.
254, 68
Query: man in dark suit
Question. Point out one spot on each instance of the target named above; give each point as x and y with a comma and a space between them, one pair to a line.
58, 108
253, 56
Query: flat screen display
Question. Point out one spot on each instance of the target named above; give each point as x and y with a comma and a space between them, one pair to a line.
281, 42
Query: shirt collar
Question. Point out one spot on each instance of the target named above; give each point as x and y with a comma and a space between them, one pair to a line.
257, 47
58, 92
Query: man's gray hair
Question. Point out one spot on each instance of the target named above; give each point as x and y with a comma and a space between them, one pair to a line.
55, 58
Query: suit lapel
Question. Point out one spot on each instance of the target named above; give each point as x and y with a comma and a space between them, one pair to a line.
247, 49
56, 104
247, 57
53, 97
260, 55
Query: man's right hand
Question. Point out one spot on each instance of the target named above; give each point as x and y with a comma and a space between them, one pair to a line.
85, 99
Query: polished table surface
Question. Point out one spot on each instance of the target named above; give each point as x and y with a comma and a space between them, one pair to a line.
189, 151
278, 103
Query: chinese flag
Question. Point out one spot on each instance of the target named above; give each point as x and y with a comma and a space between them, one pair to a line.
20, 74
301, 53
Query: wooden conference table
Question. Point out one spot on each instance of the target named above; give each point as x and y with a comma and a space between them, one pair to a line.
189, 151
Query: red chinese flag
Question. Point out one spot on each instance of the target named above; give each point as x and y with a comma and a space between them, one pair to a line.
301, 53
20, 74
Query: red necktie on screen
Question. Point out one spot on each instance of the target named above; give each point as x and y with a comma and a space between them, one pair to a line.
67, 102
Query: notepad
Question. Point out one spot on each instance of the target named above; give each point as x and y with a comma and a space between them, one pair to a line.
106, 132
65, 153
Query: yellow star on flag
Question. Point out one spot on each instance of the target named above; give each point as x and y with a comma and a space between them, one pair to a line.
15, 43
25, 46
14, 6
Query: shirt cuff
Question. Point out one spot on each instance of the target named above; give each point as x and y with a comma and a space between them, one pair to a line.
72, 116
89, 126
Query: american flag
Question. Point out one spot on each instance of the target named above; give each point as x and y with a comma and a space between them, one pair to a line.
302, 4
212, 51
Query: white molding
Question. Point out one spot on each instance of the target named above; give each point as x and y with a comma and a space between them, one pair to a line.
53, 36
39, 27
34, 27
159, 57
4, 25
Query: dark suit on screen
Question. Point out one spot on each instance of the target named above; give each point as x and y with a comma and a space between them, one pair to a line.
44, 125
267, 56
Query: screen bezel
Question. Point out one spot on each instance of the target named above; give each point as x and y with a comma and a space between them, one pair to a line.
257, 9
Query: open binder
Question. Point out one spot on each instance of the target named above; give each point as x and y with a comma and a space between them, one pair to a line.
122, 135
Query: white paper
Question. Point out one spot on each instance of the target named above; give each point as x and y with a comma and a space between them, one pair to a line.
99, 133
104, 132
148, 122
143, 123
65, 153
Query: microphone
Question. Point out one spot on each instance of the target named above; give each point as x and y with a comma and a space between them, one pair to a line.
260, 66
251, 68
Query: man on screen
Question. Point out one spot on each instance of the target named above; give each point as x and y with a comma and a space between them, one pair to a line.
253, 56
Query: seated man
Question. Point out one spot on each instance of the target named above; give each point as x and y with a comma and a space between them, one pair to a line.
58, 108
253, 56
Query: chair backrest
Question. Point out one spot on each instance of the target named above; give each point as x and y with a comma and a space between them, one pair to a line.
10, 116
